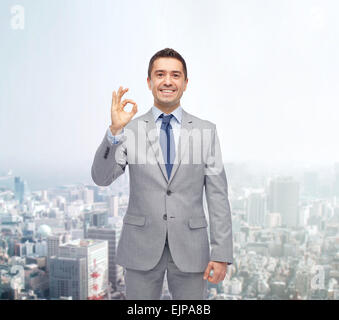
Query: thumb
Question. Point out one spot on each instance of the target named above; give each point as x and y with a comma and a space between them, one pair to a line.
134, 109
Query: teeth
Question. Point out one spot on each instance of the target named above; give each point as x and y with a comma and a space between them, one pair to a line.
167, 90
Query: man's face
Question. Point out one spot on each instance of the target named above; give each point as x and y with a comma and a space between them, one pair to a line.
167, 82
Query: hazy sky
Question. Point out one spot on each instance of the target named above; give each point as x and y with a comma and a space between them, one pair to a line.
266, 72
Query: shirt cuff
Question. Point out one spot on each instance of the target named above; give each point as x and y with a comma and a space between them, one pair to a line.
114, 139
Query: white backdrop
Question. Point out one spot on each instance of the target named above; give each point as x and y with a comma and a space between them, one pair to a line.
266, 72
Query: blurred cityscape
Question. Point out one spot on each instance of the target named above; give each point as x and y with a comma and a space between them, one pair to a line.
60, 243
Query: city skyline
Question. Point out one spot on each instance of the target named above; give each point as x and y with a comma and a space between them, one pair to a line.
285, 238
38, 180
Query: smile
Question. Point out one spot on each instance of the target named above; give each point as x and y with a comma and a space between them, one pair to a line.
167, 92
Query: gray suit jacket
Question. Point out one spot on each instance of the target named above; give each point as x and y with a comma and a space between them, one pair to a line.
158, 206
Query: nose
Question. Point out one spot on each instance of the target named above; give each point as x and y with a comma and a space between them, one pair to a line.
167, 80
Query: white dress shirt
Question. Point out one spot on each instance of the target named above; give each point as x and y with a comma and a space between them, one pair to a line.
175, 123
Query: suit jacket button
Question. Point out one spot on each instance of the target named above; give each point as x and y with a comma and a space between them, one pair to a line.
169, 192
164, 216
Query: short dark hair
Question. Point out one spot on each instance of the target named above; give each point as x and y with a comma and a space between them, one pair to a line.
167, 53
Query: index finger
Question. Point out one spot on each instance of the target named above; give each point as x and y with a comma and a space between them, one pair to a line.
121, 93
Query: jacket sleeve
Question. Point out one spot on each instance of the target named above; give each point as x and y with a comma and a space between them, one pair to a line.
110, 161
218, 205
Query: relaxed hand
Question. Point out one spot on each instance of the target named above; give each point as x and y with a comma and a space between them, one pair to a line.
219, 271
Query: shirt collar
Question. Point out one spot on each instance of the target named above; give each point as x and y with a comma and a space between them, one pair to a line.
177, 113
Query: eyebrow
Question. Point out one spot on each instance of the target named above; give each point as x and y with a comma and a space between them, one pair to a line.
174, 71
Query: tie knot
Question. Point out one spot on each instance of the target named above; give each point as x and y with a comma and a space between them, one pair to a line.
166, 119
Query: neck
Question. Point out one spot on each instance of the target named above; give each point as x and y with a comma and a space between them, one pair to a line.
166, 108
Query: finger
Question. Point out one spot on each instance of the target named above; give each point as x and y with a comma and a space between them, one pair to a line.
219, 277
122, 92
214, 278
127, 101
114, 98
133, 111
123, 104
119, 94
207, 272
222, 276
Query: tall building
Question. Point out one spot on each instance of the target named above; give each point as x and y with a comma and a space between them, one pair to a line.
53, 243
302, 282
283, 198
88, 196
113, 206
96, 254
100, 219
41, 248
97, 197
20, 189
96, 218
44, 195
311, 184
68, 278
111, 236
256, 209
273, 219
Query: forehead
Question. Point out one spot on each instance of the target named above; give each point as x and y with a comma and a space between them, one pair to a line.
168, 64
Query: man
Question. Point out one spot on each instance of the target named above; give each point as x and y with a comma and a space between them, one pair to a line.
165, 228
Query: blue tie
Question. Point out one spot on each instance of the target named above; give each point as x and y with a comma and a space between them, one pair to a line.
167, 142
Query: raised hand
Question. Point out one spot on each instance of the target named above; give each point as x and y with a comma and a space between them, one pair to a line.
119, 116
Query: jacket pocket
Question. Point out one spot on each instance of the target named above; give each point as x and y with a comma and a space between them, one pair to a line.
135, 220
197, 222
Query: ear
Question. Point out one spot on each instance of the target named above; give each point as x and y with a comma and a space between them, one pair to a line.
186, 81
149, 83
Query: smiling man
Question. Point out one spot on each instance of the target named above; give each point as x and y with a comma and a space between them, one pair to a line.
169, 81
165, 230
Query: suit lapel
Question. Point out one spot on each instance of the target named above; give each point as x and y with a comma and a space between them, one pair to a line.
153, 139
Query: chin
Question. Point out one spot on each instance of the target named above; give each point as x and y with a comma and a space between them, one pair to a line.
169, 103
165, 101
